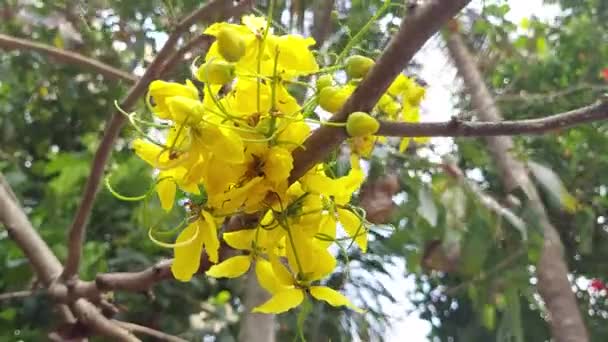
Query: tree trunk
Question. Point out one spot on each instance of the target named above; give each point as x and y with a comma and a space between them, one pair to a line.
255, 327
552, 272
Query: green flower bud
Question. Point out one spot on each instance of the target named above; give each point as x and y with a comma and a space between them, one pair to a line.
332, 99
357, 66
361, 124
324, 81
216, 72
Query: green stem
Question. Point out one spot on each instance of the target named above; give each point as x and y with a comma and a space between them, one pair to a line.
359, 36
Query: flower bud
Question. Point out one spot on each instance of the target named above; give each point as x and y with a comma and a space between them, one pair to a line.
361, 124
230, 44
215, 72
332, 99
324, 81
357, 66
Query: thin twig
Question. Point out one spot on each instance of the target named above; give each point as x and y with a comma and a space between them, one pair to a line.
159, 335
501, 266
458, 128
549, 96
77, 231
67, 57
415, 30
199, 40
16, 295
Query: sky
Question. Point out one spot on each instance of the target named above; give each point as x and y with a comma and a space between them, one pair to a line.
438, 105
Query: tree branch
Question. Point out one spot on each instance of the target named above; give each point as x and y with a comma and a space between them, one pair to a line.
198, 40
457, 128
67, 57
158, 335
47, 267
415, 30
210, 11
16, 295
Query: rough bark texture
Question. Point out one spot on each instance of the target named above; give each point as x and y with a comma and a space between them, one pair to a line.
255, 327
552, 272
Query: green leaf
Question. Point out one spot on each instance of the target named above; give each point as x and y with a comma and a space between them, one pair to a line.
488, 316
426, 206
551, 182
541, 47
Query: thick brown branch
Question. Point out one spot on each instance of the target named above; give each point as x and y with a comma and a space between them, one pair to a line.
134, 281
415, 30
212, 11
67, 57
457, 128
47, 267
140, 329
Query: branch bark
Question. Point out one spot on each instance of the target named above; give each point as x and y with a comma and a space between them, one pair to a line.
255, 327
158, 335
415, 30
211, 11
458, 128
47, 267
15, 295
67, 57
552, 272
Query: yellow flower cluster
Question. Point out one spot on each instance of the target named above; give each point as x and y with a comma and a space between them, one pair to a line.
231, 134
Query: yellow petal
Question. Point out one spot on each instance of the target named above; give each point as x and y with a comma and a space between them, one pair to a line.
294, 135
184, 110
282, 301
187, 257
405, 142
209, 237
241, 239
284, 277
354, 227
332, 297
231, 267
224, 143
324, 264
166, 189
278, 164
266, 276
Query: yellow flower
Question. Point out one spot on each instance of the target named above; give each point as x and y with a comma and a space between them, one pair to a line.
264, 170
160, 91
255, 241
288, 292
340, 190
202, 233
410, 113
294, 55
